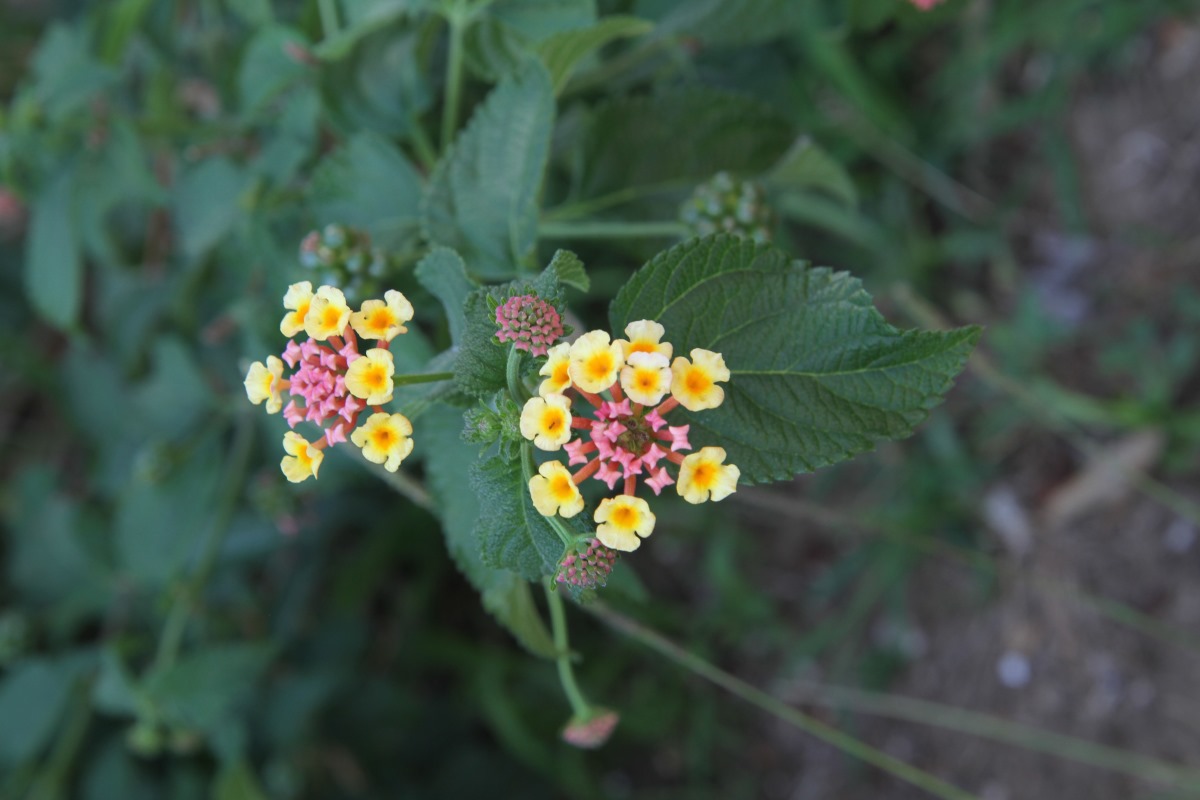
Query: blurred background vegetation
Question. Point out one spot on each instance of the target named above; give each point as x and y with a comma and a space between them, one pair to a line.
178, 621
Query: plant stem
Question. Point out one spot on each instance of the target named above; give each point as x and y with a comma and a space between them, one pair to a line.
512, 373
1056, 421
400, 482
181, 608
55, 774
424, 147
428, 377
582, 208
603, 229
580, 707
923, 712
844, 742
454, 67
329, 18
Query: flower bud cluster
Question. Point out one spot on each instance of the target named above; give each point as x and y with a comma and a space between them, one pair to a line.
529, 322
587, 565
343, 256
725, 204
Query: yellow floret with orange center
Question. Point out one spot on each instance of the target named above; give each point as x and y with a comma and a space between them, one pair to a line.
599, 366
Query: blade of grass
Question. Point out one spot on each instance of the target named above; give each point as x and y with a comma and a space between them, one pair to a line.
908, 709
847, 744
981, 365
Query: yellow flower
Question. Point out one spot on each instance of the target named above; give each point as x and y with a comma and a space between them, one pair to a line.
370, 377
704, 475
646, 377
302, 459
297, 300
327, 315
384, 439
383, 320
622, 519
547, 421
557, 369
262, 383
554, 492
645, 336
595, 362
694, 383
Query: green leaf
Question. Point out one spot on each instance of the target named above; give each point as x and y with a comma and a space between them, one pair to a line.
33, 696
114, 691
512, 535
721, 23
807, 167
568, 270
540, 19
176, 396
205, 687
53, 263
369, 184
483, 196
562, 52
382, 87
67, 77
448, 460
237, 781
206, 205
364, 17
444, 275
47, 563
494, 50
817, 374
680, 137
160, 517
268, 66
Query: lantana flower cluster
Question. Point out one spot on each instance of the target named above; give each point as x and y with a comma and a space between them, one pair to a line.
630, 386
333, 383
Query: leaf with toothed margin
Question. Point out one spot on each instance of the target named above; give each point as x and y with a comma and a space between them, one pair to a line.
512, 534
505, 595
817, 374
482, 199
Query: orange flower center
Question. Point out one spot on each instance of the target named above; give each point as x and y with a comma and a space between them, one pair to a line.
705, 474
600, 365
375, 377
697, 382
381, 319
552, 421
624, 517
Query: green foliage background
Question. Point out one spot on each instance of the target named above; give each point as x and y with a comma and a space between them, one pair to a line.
179, 622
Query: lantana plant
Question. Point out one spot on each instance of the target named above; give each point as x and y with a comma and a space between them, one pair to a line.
724, 363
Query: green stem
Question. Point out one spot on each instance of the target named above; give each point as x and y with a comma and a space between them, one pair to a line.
177, 618
454, 69
981, 365
603, 229
428, 377
922, 712
512, 373
329, 18
56, 773
844, 742
423, 146
582, 208
580, 708
400, 482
